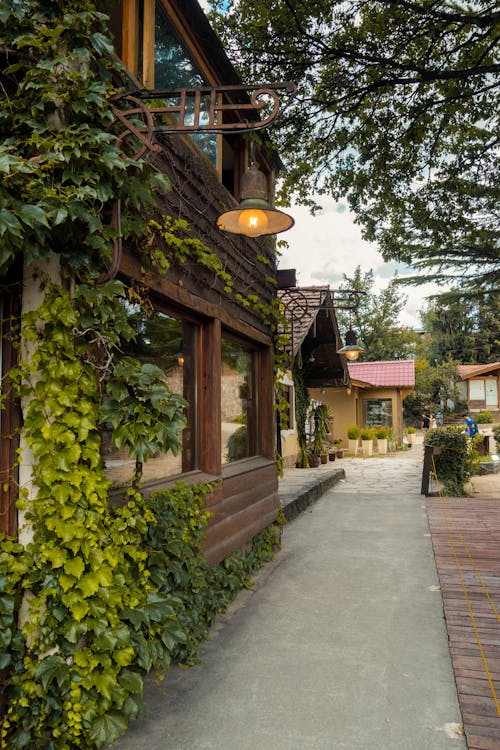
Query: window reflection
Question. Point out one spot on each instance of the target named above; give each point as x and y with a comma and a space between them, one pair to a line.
175, 69
169, 343
377, 411
238, 402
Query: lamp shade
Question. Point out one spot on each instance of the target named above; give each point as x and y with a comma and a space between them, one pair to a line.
254, 217
351, 350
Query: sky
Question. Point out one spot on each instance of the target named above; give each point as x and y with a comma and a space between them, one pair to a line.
325, 246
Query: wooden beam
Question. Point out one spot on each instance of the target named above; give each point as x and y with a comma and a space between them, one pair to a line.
130, 35
148, 44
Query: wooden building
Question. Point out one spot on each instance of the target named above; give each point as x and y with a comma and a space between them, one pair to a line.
479, 387
214, 347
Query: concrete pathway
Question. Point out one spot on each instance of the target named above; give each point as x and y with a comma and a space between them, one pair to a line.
341, 645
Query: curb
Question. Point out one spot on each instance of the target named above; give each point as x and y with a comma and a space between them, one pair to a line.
293, 505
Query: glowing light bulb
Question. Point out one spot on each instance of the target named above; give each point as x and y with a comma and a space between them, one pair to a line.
352, 355
253, 222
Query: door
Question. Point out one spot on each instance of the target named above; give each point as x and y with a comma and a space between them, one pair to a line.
491, 392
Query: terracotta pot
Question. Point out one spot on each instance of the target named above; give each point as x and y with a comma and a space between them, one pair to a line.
313, 461
324, 458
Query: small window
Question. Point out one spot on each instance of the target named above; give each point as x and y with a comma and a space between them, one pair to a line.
377, 411
170, 343
238, 401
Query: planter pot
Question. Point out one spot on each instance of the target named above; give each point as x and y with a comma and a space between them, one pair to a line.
367, 446
340, 453
410, 439
313, 462
324, 458
353, 446
331, 456
382, 445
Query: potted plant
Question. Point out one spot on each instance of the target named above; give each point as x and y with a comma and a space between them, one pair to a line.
338, 447
382, 433
353, 434
321, 430
367, 441
410, 432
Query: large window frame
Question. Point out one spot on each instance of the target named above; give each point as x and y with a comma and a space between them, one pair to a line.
378, 412
136, 48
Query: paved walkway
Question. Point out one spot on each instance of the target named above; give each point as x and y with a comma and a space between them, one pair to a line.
341, 645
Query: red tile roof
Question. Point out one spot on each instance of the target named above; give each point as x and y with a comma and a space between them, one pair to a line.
399, 372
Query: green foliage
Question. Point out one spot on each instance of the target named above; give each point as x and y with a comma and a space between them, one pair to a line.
462, 329
484, 417
457, 460
376, 320
367, 433
410, 430
423, 73
353, 432
146, 416
302, 402
60, 166
434, 387
106, 593
496, 435
382, 433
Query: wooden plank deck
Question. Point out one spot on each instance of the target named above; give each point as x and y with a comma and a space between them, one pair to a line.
466, 539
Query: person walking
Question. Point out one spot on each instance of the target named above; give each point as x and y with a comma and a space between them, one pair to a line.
471, 427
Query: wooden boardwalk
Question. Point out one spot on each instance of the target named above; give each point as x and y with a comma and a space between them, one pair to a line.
466, 540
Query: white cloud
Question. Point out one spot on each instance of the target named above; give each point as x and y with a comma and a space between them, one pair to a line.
325, 246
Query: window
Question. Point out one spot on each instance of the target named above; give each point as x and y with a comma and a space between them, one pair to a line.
238, 401
377, 411
170, 343
174, 68
476, 390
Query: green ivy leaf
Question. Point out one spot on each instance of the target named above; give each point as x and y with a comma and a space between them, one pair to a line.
52, 668
108, 728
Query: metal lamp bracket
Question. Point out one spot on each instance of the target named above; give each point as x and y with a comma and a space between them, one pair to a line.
192, 110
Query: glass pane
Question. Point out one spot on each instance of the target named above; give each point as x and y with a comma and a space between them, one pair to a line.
169, 343
378, 412
238, 402
175, 69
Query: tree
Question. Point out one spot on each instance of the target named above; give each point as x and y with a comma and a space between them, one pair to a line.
463, 330
395, 109
375, 320
435, 390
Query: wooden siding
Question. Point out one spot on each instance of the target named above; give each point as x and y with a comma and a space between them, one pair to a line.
245, 504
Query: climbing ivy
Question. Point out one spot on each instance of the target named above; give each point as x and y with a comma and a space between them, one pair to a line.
92, 596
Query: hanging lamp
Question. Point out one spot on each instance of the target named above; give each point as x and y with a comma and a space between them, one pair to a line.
351, 349
254, 216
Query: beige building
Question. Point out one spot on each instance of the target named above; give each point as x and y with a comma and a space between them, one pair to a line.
360, 393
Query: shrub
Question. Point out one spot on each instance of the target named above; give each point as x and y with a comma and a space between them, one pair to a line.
382, 433
410, 430
484, 417
496, 435
457, 460
367, 433
353, 432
